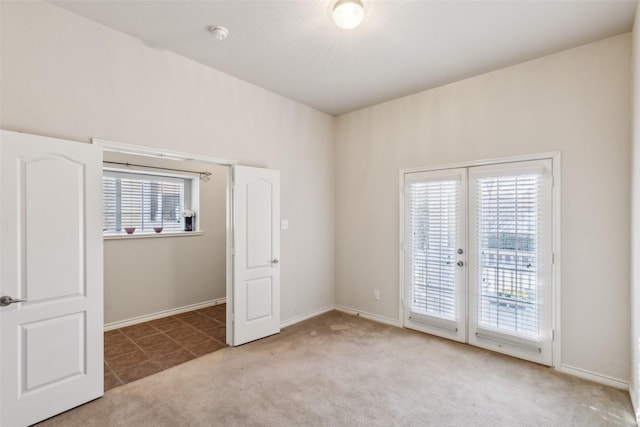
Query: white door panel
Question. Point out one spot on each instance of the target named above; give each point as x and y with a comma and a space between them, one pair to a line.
51, 255
256, 241
435, 297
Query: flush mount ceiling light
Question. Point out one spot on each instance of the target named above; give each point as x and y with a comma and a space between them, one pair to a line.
219, 33
348, 14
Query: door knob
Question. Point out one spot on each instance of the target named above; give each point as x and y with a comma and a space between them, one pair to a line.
275, 261
7, 300
460, 263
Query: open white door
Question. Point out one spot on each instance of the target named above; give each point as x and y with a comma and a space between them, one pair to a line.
256, 243
51, 257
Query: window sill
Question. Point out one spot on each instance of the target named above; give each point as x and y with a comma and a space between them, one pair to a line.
152, 235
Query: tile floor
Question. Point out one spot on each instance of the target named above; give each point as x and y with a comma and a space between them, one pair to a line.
141, 350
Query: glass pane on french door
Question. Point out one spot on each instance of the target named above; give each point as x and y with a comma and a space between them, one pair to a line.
510, 259
434, 237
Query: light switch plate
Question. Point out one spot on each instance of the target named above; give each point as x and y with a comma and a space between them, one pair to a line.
284, 224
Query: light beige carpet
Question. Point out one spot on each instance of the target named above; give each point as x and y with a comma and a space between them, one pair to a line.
341, 370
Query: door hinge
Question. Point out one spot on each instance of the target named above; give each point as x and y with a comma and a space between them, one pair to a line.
553, 335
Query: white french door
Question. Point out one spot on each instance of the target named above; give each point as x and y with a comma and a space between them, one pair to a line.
478, 256
435, 229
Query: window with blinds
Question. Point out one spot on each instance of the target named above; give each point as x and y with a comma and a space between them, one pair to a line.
142, 201
507, 227
432, 221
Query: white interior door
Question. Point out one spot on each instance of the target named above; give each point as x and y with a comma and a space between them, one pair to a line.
51, 257
256, 252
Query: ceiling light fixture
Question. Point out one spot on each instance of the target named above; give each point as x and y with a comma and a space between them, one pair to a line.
348, 14
219, 33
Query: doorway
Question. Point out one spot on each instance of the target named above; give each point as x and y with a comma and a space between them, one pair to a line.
52, 276
165, 282
477, 255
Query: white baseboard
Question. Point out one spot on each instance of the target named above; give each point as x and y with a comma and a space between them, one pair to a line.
636, 412
593, 376
306, 316
160, 314
370, 316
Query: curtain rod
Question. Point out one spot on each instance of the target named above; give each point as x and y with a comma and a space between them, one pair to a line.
203, 175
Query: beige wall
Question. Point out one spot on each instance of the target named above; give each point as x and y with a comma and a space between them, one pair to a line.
634, 387
576, 102
145, 276
67, 77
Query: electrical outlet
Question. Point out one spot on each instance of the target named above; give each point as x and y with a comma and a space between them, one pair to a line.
376, 295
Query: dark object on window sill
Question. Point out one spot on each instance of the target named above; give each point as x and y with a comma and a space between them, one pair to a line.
188, 223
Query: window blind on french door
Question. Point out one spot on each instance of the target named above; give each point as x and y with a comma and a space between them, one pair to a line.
508, 234
432, 219
433, 233
510, 286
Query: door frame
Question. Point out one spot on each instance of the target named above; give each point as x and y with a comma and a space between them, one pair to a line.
555, 157
142, 150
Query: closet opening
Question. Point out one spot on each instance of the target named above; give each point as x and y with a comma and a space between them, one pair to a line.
165, 231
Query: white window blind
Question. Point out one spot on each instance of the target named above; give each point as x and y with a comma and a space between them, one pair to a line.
433, 219
508, 227
142, 201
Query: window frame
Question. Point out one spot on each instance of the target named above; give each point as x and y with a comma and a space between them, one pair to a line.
190, 200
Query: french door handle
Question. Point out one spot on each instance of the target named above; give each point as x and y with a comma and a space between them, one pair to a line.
7, 300
460, 263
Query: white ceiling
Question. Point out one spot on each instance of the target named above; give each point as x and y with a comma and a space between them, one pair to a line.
292, 47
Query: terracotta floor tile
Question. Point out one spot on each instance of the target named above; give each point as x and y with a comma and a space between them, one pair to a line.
182, 331
207, 311
117, 364
207, 347
202, 322
191, 340
114, 339
115, 350
187, 315
139, 331
111, 381
194, 320
166, 323
140, 350
162, 349
173, 359
151, 340
218, 332
220, 317
142, 370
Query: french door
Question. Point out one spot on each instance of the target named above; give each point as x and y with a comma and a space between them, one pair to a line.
478, 256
